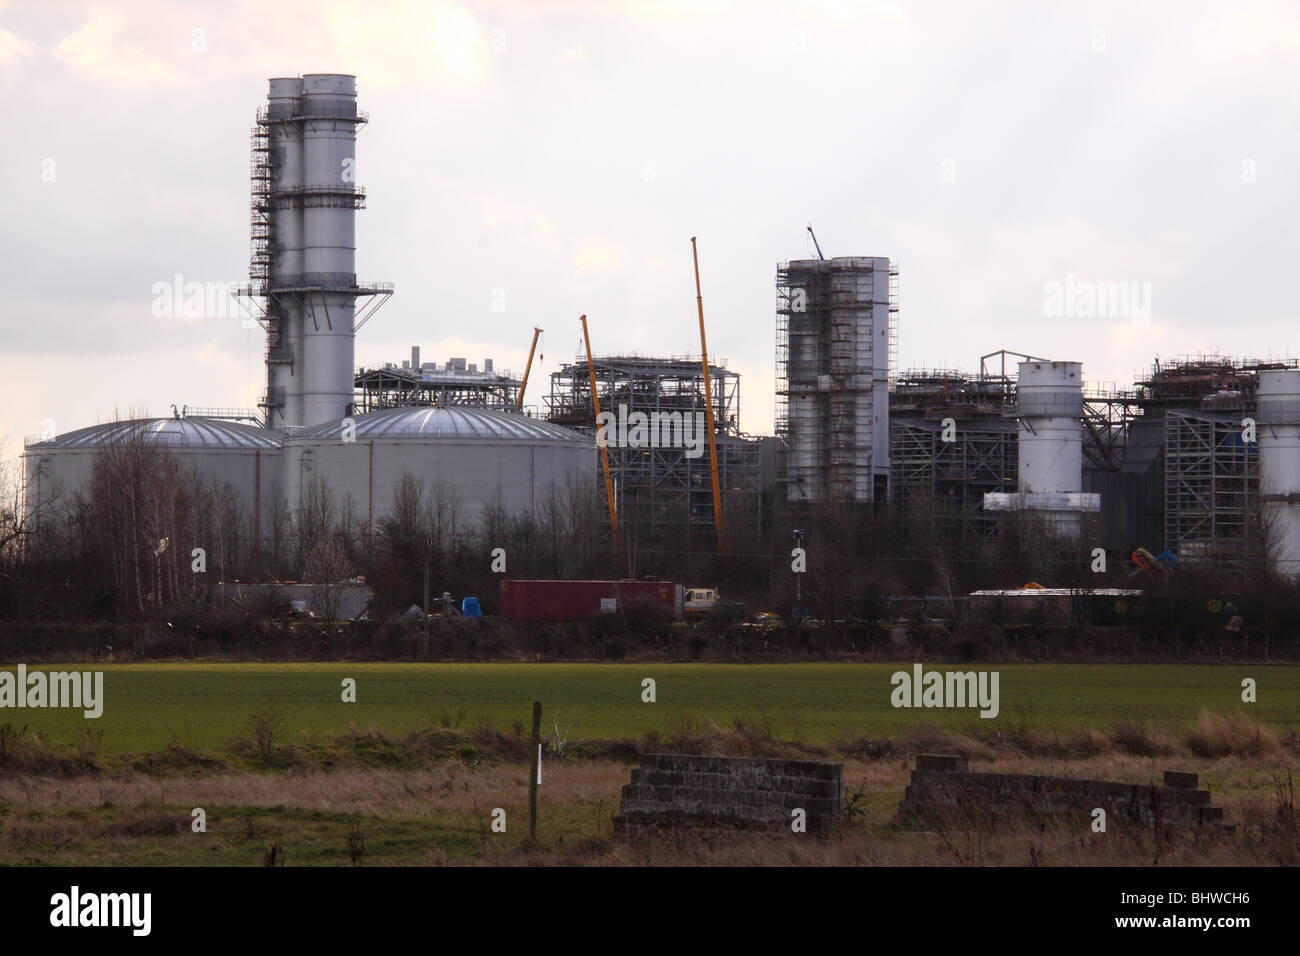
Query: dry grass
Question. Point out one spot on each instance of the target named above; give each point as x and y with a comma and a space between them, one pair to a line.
431, 746
368, 798
453, 788
49, 818
1216, 736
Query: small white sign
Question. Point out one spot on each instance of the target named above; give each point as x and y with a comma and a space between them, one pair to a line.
609, 605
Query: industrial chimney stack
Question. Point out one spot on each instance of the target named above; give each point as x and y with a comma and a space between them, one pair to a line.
304, 206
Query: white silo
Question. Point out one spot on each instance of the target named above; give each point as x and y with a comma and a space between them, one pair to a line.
1049, 406
1278, 431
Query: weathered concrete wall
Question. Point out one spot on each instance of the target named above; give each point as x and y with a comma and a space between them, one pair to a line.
942, 787
679, 790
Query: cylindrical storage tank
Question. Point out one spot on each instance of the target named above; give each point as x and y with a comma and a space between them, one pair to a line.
329, 111
476, 453
1049, 404
284, 377
1278, 430
245, 457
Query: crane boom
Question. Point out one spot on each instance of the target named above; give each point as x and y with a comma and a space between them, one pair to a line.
519, 402
604, 448
708, 406
816, 244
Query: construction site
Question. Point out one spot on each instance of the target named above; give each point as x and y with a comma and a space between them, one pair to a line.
1171, 459
568, 438
651, 449
665, 488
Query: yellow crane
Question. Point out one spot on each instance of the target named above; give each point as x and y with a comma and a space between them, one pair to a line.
519, 402
708, 406
604, 449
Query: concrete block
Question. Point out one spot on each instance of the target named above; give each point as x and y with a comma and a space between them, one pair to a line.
943, 763
1179, 778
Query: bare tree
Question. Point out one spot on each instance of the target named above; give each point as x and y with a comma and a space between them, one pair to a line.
19, 513
328, 568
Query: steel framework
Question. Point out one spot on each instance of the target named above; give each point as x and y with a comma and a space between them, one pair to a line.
1211, 487
951, 477
659, 489
390, 387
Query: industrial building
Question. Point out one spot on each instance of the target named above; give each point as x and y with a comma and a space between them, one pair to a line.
487, 458
950, 443
665, 485
425, 383
835, 347
1198, 457
244, 457
324, 423
1170, 461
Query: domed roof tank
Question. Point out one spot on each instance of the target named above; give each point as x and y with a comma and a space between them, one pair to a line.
484, 456
243, 456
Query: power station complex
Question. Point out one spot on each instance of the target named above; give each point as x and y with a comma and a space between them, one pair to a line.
1201, 457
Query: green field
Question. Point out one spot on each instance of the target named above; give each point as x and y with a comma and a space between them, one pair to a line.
205, 705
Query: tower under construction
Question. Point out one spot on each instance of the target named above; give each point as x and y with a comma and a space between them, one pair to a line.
835, 346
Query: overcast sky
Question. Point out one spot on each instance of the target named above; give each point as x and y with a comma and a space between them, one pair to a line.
565, 152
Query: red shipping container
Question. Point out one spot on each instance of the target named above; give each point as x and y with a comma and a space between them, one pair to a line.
583, 600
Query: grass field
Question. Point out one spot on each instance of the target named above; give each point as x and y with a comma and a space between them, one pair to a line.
206, 705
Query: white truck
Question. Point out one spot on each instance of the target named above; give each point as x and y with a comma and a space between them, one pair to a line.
699, 602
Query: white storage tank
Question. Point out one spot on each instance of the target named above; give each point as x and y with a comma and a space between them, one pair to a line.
1049, 405
243, 456
475, 451
1278, 429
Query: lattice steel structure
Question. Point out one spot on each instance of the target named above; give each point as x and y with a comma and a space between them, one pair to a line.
643, 384
1211, 487
949, 479
427, 384
835, 335
662, 489
1108, 417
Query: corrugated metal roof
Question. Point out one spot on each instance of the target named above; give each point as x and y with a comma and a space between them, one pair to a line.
169, 432
458, 422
